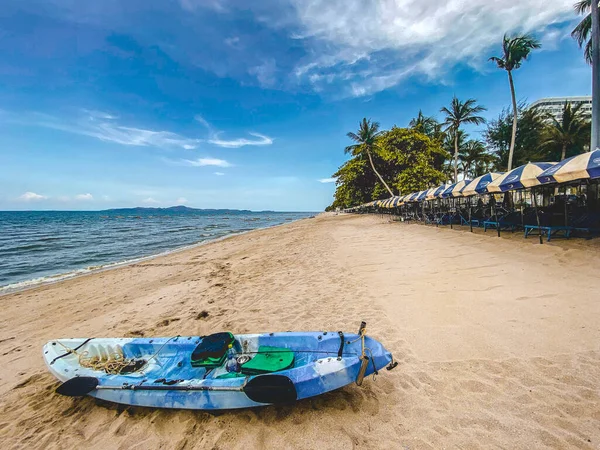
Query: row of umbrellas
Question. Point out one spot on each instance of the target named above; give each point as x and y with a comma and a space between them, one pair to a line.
580, 167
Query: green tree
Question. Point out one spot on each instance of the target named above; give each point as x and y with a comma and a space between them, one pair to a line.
404, 156
515, 50
461, 113
425, 124
365, 141
472, 152
530, 129
410, 156
570, 133
582, 33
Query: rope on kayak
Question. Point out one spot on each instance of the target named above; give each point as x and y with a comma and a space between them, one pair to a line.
113, 363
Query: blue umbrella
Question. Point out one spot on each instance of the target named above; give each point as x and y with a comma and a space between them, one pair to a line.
448, 191
438, 192
413, 197
524, 176
479, 184
580, 167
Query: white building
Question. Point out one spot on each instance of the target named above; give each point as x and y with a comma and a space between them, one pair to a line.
554, 105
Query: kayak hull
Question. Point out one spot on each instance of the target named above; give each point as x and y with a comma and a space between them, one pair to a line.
169, 380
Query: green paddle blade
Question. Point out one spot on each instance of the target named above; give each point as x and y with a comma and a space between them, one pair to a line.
78, 386
271, 389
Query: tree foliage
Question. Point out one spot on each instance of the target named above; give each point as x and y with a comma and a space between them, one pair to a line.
582, 33
460, 113
405, 159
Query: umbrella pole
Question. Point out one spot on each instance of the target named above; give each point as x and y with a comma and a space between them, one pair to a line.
522, 202
566, 220
496, 214
470, 215
537, 216
451, 213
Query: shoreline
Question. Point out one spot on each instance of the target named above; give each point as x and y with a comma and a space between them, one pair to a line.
33, 283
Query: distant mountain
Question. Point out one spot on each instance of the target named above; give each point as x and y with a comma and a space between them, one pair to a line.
179, 208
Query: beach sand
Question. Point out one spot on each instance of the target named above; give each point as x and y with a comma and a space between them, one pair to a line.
498, 340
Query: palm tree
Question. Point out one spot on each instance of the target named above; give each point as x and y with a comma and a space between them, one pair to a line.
515, 50
582, 33
473, 151
571, 130
365, 141
459, 113
424, 124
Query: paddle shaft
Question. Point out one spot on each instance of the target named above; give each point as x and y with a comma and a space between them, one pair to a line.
170, 388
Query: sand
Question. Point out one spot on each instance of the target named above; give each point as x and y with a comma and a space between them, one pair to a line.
497, 339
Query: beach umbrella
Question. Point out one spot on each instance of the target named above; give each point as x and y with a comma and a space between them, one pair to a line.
396, 202
580, 167
438, 192
448, 191
413, 197
458, 187
422, 195
429, 193
524, 176
388, 202
479, 184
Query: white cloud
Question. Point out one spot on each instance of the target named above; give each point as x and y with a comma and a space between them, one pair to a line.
200, 162
32, 197
84, 197
232, 143
233, 41
219, 174
371, 46
192, 5
181, 200
105, 127
327, 180
150, 201
241, 142
265, 73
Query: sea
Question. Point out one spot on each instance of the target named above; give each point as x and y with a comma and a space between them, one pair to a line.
45, 246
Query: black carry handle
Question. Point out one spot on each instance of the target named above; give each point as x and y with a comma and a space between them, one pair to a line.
363, 325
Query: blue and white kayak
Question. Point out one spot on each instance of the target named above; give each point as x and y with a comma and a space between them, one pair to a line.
220, 371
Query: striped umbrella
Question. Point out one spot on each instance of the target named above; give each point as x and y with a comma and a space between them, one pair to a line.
479, 184
524, 176
458, 188
438, 192
422, 195
396, 202
448, 191
413, 197
580, 167
431, 193
388, 202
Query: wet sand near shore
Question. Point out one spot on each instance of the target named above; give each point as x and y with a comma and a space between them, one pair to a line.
498, 340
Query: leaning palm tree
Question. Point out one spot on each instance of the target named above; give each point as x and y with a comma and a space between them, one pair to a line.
365, 141
582, 33
458, 114
570, 130
514, 51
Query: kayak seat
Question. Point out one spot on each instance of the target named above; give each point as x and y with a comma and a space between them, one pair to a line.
269, 360
212, 350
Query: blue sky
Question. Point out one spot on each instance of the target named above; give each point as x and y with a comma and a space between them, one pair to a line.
238, 104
